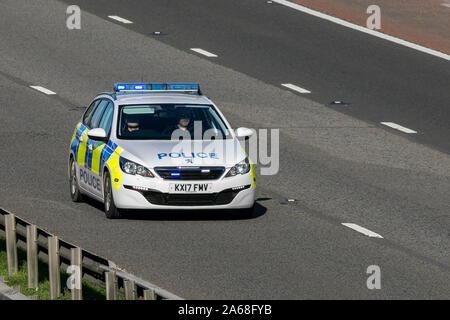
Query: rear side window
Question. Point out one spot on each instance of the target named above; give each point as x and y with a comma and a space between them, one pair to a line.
97, 115
88, 113
106, 121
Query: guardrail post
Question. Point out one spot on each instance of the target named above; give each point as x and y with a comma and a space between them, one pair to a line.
32, 256
111, 285
130, 289
53, 264
11, 243
149, 294
76, 262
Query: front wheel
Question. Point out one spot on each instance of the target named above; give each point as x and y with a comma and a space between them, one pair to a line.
111, 211
75, 193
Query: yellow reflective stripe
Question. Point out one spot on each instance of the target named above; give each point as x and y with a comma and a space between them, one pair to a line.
96, 157
252, 169
113, 164
82, 149
253, 174
73, 137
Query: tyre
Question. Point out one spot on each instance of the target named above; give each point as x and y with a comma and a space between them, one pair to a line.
111, 211
75, 193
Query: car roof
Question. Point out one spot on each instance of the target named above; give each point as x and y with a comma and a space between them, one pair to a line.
154, 98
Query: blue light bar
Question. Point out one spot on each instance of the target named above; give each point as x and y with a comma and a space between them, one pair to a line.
182, 86
188, 87
175, 174
132, 86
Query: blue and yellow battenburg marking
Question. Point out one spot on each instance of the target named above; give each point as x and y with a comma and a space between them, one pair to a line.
101, 153
112, 160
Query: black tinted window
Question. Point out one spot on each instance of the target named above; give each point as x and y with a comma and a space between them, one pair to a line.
160, 122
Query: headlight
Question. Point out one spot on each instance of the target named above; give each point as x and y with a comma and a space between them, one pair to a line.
241, 168
131, 167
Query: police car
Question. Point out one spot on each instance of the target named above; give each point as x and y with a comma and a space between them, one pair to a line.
159, 146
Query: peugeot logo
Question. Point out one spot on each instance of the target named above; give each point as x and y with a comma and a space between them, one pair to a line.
189, 161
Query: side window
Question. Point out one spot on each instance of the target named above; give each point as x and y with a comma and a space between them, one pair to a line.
88, 113
107, 118
97, 115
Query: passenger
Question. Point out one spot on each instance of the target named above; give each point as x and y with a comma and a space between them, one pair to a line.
133, 124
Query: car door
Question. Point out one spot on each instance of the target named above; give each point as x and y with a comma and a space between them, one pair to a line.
79, 144
99, 148
88, 179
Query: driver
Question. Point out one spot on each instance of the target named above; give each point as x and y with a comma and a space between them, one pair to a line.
132, 124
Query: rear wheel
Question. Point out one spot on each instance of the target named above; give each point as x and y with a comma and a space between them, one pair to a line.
111, 211
75, 193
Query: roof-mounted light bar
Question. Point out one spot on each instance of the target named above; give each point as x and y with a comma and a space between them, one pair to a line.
157, 87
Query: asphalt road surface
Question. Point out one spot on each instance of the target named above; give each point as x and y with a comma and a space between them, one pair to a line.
338, 162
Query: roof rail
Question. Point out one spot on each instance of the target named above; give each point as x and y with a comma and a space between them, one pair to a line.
111, 94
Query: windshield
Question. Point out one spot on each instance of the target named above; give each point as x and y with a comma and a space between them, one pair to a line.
170, 121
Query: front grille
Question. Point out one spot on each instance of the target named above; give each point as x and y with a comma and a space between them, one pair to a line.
190, 173
200, 199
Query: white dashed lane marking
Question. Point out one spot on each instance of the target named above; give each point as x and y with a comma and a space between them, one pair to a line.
205, 53
362, 230
398, 127
117, 18
295, 88
42, 89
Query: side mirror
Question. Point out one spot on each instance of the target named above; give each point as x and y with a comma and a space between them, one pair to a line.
243, 132
97, 134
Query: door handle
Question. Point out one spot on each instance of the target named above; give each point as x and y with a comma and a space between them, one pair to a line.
80, 138
90, 147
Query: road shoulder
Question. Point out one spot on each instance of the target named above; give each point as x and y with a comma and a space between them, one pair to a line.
425, 23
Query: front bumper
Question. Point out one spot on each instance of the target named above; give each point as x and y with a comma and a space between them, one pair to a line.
226, 193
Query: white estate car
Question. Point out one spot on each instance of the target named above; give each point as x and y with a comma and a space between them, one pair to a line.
159, 146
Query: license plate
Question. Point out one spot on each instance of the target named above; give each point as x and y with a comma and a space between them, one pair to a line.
190, 187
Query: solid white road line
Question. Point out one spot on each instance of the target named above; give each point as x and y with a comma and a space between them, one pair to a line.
204, 52
295, 88
117, 18
42, 89
364, 231
398, 127
363, 29
445, 5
